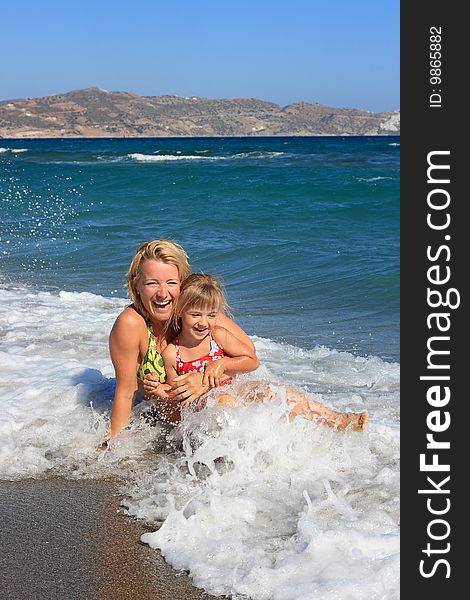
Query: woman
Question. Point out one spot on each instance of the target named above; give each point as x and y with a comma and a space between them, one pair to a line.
143, 330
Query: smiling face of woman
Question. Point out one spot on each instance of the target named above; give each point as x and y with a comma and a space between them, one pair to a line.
158, 288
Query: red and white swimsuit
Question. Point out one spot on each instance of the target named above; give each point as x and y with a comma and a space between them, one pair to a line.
199, 364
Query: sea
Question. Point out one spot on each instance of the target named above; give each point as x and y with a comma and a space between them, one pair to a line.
304, 232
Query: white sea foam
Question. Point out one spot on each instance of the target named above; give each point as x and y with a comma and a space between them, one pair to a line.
259, 154
266, 508
168, 157
13, 150
181, 157
251, 503
378, 178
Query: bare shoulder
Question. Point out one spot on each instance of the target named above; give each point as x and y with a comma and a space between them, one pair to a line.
128, 327
219, 334
170, 352
129, 320
226, 323
218, 329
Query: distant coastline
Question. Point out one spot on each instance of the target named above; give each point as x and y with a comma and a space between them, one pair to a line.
97, 113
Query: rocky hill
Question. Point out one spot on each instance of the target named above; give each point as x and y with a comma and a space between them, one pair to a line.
93, 112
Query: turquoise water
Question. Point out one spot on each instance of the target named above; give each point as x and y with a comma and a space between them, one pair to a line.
304, 231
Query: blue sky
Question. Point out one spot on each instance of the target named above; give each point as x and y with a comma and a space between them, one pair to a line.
336, 52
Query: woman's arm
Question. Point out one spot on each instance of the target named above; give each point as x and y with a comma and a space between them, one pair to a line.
124, 350
240, 358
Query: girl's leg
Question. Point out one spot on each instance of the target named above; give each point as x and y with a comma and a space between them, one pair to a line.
257, 391
316, 411
227, 400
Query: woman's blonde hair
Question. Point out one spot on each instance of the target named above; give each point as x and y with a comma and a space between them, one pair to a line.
200, 290
166, 251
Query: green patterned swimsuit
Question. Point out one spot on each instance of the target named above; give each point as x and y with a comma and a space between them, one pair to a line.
152, 361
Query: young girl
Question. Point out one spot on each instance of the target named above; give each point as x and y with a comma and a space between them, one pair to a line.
201, 346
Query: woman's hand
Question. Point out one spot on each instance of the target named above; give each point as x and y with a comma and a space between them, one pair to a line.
152, 386
187, 388
215, 373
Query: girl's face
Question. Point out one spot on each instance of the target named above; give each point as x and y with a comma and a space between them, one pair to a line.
198, 322
158, 288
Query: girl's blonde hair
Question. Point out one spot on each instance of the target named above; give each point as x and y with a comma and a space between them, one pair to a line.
200, 290
166, 251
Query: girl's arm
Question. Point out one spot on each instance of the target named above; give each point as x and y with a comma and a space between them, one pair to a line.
236, 330
178, 398
185, 388
240, 358
190, 386
169, 360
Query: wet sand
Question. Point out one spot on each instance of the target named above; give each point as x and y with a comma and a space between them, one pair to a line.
70, 540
